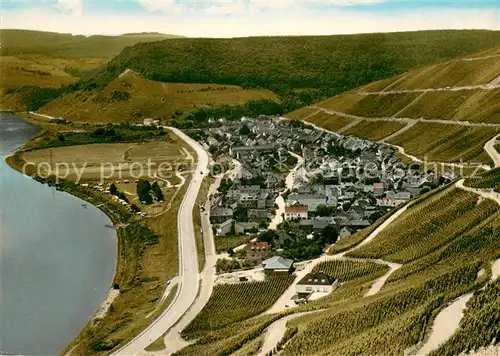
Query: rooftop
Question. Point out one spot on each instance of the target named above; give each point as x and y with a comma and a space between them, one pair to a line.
316, 279
296, 209
277, 262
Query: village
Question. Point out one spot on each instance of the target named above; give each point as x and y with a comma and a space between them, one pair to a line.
292, 190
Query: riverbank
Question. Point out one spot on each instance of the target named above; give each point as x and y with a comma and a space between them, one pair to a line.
146, 259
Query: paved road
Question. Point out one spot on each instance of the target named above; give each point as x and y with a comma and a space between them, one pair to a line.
490, 149
276, 331
188, 260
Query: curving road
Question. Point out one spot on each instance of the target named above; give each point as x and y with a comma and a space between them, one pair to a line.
490, 149
457, 88
188, 259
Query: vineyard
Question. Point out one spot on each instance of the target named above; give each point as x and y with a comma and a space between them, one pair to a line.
347, 270
374, 130
329, 121
427, 226
338, 330
480, 244
369, 105
480, 325
301, 113
358, 237
489, 179
230, 303
236, 337
448, 143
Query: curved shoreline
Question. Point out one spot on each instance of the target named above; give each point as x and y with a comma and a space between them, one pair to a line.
9, 160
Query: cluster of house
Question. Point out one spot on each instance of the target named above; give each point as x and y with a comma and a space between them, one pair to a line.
344, 181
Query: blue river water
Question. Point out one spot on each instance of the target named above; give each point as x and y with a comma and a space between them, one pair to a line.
57, 257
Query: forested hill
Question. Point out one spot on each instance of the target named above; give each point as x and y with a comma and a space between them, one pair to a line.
65, 45
326, 64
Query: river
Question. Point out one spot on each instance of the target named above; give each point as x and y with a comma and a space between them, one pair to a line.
57, 257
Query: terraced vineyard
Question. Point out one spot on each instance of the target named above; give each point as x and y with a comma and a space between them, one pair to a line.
480, 325
374, 130
231, 303
452, 73
328, 121
366, 326
446, 143
489, 179
348, 270
369, 105
428, 226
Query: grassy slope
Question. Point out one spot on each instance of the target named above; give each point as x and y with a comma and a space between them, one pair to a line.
51, 60
146, 98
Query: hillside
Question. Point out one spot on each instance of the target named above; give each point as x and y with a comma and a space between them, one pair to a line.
325, 65
65, 45
441, 247
30, 60
444, 112
130, 98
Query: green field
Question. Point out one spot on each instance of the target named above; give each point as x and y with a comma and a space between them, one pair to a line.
224, 243
446, 142
374, 130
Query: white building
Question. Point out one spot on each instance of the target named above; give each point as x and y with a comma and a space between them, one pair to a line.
295, 211
315, 283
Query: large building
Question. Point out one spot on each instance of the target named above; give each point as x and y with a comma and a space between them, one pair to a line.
277, 264
315, 282
295, 212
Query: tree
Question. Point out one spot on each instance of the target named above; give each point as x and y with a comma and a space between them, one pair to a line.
113, 190
323, 210
144, 191
244, 130
157, 191
240, 214
329, 234
267, 236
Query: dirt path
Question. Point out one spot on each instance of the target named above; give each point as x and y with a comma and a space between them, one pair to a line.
443, 89
280, 201
408, 126
276, 331
445, 324
406, 119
